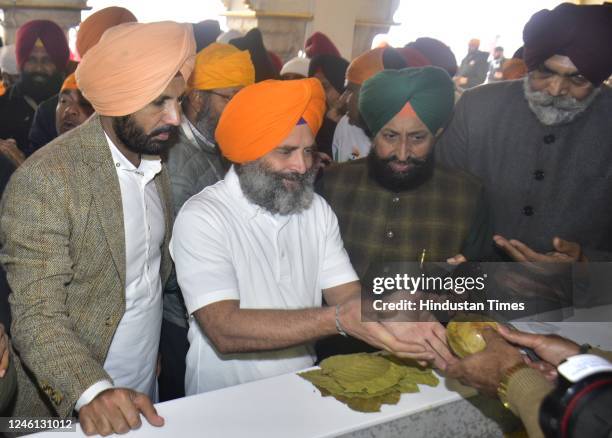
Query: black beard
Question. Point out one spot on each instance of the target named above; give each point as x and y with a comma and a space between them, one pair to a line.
135, 139
379, 170
40, 86
265, 188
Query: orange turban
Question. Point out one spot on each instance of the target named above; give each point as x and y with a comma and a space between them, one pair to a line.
92, 28
262, 115
222, 66
69, 83
365, 66
514, 68
133, 64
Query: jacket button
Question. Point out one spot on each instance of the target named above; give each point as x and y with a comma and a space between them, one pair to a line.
538, 175
390, 234
550, 138
528, 210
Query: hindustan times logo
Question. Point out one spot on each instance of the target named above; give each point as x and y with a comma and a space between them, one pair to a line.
423, 283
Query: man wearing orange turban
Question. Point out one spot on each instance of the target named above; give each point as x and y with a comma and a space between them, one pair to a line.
85, 224
90, 31
72, 108
256, 252
195, 162
351, 140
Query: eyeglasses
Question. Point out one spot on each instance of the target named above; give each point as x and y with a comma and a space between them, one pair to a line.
543, 73
227, 97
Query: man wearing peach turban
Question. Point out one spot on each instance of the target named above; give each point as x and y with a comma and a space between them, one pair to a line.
256, 252
90, 31
351, 139
85, 224
194, 162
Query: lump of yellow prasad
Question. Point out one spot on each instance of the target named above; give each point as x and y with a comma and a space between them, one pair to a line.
464, 334
365, 381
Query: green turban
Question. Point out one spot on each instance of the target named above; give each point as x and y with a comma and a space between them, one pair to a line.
429, 90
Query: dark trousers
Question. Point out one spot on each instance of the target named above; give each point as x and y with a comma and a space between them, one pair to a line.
173, 347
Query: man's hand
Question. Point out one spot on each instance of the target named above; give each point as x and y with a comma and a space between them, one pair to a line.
456, 260
378, 335
9, 148
565, 251
117, 410
484, 370
551, 348
4, 351
430, 335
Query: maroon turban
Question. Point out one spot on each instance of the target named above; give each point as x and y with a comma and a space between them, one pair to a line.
320, 44
582, 33
52, 38
413, 57
438, 53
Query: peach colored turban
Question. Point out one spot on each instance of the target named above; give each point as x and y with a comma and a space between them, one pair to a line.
92, 28
262, 115
133, 63
222, 66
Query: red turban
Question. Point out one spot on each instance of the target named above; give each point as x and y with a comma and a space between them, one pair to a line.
582, 33
92, 28
320, 44
262, 115
52, 38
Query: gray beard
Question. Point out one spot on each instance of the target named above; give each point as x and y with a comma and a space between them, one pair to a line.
265, 188
556, 110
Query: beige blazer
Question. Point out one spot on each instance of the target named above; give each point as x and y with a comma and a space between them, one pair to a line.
63, 247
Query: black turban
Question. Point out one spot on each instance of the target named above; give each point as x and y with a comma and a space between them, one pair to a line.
582, 33
333, 68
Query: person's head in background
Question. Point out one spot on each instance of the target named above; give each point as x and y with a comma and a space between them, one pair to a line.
42, 55
8, 66
295, 68
72, 107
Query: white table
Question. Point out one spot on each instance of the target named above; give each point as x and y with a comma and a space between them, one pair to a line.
286, 406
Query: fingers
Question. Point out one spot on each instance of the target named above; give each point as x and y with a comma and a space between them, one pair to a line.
572, 249
519, 338
4, 363
456, 260
509, 249
143, 403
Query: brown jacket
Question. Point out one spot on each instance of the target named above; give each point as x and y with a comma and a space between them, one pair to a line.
63, 247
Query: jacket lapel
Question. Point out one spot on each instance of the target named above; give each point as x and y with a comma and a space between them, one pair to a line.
105, 190
162, 182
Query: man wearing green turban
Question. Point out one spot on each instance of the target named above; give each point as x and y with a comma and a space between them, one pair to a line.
397, 204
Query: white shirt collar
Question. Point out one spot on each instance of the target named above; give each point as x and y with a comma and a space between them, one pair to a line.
150, 165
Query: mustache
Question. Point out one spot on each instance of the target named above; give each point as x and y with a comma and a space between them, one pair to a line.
170, 129
417, 162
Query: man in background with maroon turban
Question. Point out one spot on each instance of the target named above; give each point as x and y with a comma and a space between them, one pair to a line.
84, 229
42, 54
541, 145
90, 31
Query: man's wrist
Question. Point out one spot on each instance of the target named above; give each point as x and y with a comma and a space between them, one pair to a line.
92, 392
